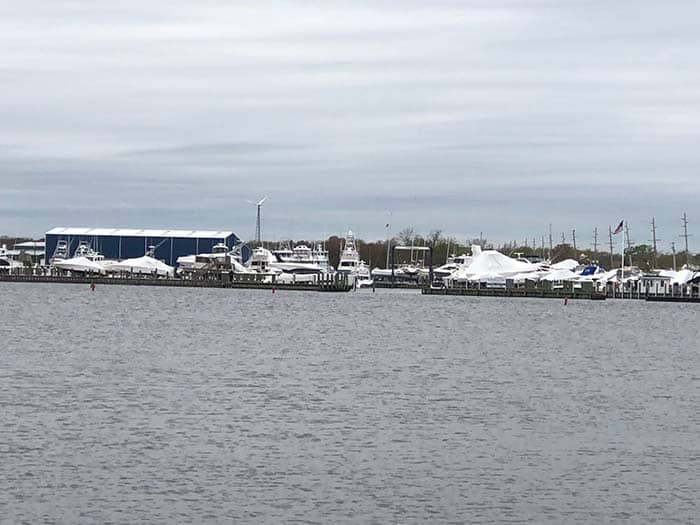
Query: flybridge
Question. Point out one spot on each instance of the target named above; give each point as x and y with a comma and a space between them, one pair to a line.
125, 232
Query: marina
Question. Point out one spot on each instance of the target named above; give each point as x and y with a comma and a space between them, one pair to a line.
349, 262
221, 260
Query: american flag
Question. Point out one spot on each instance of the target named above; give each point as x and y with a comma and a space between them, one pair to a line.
619, 228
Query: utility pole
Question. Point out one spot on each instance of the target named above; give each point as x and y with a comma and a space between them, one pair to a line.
685, 236
595, 244
573, 238
653, 240
543, 247
673, 250
629, 243
550, 240
611, 246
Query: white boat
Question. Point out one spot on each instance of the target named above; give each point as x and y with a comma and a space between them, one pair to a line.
61, 252
350, 262
79, 264
283, 252
405, 273
453, 264
9, 264
142, 265
260, 260
86, 251
301, 261
491, 267
320, 257
7, 261
220, 257
304, 259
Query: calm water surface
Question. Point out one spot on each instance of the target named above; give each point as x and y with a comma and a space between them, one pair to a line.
136, 404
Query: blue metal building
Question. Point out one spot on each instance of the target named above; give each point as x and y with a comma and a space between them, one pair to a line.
128, 243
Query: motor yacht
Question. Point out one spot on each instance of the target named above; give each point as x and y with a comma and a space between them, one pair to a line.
350, 262
61, 251
85, 250
221, 257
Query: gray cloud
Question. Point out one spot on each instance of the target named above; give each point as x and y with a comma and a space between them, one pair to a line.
494, 116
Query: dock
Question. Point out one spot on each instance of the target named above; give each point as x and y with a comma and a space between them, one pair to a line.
516, 293
671, 299
542, 290
331, 283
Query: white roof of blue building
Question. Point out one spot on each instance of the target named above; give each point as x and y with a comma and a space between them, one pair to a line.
123, 232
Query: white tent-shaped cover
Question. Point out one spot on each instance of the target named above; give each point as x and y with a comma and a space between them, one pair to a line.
144, 265
491, 265
681, 277
566, 264
80, 264
560, 274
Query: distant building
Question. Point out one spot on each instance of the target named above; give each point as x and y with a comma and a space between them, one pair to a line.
121, 244
31, 251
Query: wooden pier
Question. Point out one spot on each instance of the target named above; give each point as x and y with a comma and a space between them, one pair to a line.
671, 299
334, 283
516, 292
542, 290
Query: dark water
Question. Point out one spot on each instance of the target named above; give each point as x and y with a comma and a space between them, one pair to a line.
135, 404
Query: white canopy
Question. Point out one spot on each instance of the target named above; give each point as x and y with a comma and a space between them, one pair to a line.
680, 277
566, 264
561, 274
145, 264
80, 264
492, 266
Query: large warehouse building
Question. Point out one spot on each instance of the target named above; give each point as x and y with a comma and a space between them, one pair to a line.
125, 243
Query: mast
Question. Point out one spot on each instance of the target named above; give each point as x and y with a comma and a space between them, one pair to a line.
573, 238
629, 243
611, 246
673, 250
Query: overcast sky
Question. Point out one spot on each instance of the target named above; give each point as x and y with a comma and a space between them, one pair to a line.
467, 116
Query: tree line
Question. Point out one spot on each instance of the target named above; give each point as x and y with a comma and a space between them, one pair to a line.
374, 253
